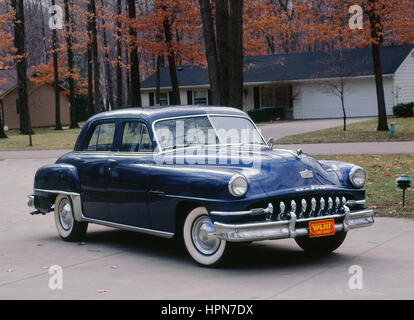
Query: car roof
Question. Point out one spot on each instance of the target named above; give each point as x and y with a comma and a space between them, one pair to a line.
154, 113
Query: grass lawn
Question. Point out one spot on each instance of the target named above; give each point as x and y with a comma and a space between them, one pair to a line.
365, 131
43, 139
382, 170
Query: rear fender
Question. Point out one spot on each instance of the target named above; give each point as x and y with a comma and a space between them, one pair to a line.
55, 179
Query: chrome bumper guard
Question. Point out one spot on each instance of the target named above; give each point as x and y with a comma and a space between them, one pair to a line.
30, 203
287, 229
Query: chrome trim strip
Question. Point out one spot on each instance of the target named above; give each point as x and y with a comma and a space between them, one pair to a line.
258, 211
58, 192
352, 203
77, 211
163, 234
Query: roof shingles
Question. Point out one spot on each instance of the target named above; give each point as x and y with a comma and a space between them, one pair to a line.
295, 66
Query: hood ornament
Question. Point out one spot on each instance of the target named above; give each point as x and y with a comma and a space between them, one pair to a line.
307, 174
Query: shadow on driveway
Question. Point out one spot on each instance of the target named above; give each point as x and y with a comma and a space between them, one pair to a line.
247, 257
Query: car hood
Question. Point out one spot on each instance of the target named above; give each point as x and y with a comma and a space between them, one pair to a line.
273, 170
285, 169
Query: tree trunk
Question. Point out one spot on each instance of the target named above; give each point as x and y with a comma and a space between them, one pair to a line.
211, 52
58, 124
159, 64
171, 63
108, 72
2, 133
46, 56
223, 48
134, 59
73, 117
119, 75
128, 79
376, 40
343, 109
91, 106
236, 54
382, 114
21, 67
95, 58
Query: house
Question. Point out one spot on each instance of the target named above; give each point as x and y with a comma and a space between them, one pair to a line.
301, 83
41, 101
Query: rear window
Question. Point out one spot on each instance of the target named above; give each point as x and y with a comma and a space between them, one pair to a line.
102, 137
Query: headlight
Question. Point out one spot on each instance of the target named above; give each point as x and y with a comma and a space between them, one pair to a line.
238, 185
357, 177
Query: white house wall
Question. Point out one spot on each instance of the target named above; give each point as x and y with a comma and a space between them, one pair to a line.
404, 81
248, 99
315, 101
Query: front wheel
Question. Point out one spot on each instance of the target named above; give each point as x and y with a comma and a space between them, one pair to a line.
322, 245
200, 239
68, 228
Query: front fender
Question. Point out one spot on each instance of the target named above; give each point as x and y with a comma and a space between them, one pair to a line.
51, 180
341, 169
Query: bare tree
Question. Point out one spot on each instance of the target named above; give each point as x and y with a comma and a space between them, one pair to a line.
108, 71
21, 68
236, 54
95, 57
211, 53
377, 36
171, 63
119, 74
2, 133
69, 42
91, 106
337, 85
58, 124
134, 59
224, 50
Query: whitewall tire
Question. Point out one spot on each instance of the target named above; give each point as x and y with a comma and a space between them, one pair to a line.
200, 239
68, 228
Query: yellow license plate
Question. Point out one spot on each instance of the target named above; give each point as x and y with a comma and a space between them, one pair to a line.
321, 228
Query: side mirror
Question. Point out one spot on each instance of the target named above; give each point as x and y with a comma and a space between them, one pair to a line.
271, 143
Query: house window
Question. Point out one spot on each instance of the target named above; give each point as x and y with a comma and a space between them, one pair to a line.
163, 98
200, 96
275, 96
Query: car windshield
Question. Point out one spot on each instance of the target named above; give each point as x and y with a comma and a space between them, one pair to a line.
206, 130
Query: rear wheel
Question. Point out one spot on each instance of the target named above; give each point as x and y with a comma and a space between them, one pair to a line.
68, 228
200, 239
321, 245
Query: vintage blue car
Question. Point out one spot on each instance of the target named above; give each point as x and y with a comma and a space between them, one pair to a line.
201, 174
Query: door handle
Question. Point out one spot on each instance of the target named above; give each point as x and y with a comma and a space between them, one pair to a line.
112, 161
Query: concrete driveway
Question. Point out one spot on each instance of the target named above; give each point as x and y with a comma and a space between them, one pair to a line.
114, 264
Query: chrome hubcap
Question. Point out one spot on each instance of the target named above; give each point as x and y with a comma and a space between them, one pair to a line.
65, 214
204, 236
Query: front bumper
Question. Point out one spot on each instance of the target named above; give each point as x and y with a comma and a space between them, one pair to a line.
270, 230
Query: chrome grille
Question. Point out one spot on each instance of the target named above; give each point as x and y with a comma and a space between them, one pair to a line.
309, 206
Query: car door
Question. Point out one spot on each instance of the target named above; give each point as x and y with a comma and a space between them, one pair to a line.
128, 176
92, 164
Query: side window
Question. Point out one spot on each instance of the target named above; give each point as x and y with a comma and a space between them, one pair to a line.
102, 137
135, 138
146, 143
